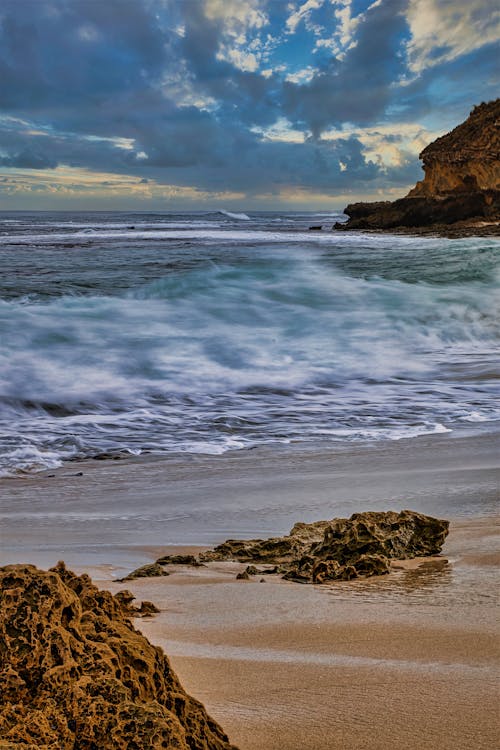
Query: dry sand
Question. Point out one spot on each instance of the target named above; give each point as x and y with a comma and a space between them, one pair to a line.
408, 660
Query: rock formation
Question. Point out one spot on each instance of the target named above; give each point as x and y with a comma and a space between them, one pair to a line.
281, 549
152, 570
340, 549
461, 184
74, 673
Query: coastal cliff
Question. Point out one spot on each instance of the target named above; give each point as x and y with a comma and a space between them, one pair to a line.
74, 672
461, 187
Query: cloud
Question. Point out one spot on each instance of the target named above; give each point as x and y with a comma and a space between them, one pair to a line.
358, 88
302, 14
29, 159
235, 97
442, 30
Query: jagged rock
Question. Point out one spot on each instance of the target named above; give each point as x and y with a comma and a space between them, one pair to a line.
394, 535
179, 560
252, 570
74, 673
275, 550
467, 158
343, 548
340, 549
147, 609
461, 185
424, 211
281, 548
152, 570
365, 565
244, 576
126, 598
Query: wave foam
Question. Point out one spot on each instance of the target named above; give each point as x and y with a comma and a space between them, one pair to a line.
231, 215
245, 343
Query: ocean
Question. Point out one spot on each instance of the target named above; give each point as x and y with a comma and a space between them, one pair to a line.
206, 332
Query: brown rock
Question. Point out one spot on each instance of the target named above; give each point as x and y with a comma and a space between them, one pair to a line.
74, 673
466, 159
461, 185
152, 570
393, 535
147, 609
343, 548
252, 570
125, 598
179, 560
275, 550
365, 565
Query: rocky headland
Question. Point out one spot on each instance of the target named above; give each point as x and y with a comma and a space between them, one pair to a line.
74, 672
460, 193
340, 549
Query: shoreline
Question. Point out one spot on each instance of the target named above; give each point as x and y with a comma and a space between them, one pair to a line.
111, 511
449, 231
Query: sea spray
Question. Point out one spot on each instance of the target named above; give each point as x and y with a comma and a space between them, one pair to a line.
233, 338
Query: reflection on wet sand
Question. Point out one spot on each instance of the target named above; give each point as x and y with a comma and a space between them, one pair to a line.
425, 582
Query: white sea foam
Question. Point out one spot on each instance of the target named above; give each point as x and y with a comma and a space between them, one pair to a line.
238, 217
28, 458
234, 341
189, 233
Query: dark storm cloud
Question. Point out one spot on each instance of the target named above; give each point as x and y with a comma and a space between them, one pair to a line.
267, 166
53, 53
29, 159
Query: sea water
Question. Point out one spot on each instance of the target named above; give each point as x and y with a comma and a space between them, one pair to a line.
207, 332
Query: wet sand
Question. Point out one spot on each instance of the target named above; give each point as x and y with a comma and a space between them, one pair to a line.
110, 512
406, 660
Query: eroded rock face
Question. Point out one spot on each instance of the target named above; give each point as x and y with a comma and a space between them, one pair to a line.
465, 160
363, 544
281, 549
340, 549
424, 211
152, 570
74, 673
461, 183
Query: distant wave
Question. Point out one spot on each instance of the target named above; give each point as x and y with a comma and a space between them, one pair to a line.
230, 215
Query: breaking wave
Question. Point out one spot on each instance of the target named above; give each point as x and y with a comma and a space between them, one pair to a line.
210, 348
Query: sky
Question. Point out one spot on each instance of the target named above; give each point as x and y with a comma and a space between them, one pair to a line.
263, 104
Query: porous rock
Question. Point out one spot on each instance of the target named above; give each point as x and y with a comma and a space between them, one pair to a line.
342, 548
74, 673
179, 560
152, 570
244, 576
126, 598
280, 549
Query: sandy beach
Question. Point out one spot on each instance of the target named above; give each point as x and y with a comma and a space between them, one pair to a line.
408, 659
